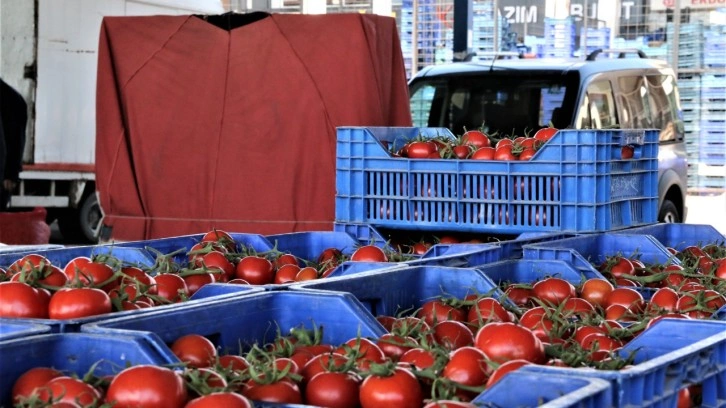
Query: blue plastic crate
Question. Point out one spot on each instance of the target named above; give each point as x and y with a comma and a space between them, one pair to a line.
586, 251
202, 296
392, 292
680, 236
715, 113
551, 391
61, 256
529, 271
75, 353
11, 329
670, 355
236, 322
574, 183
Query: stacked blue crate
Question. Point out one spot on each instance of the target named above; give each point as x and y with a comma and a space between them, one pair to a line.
689, 86
715, 47
550, 101
559, 38
712, 143
592, 39
690, 44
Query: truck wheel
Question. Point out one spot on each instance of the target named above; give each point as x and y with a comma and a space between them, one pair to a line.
81, 225
668, 213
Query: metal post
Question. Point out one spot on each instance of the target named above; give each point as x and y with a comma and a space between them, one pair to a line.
495, 11
676, 34
463, 18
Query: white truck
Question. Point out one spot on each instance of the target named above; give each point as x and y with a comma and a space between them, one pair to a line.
48, 52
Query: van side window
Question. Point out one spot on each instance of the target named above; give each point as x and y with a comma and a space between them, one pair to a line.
425, 102
634, 103
597, 110
663, 101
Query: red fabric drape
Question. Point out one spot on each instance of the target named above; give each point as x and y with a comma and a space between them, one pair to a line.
200, 127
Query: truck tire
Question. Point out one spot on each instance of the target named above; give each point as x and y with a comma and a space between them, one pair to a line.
81, 225
668, 213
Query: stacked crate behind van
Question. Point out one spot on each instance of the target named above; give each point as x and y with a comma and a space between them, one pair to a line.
484, 28
559, 38
592, 39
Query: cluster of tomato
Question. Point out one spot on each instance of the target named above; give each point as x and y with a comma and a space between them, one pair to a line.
695, 288
33, 287
216, 258
477, 145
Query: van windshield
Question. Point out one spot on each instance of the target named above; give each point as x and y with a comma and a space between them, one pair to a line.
508, 103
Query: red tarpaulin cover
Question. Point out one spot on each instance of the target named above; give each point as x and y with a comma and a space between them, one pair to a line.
201, 127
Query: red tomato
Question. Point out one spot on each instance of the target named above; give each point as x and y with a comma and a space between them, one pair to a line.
255, 270
286, 274
50, 276
147, 386
452, 334
504, 142
664, 299
487, 310
137, 276
233, 362
502, 342
29, 263
461, 152
394, 346
68, 389
504, 153
400, 390
600, 345
364, 351
626, 152
545, 134
321, 363
538, 321
700, 304
617, 267
369, 253
504, 369
95, 274
171, 287
596, 291
220, 399
420, 150
485, 153
437, 310
285, 259
31, 380
627, 297
419, 358
519, 295
330, 255
194, 350
217, 260
467, 366
220, 237
553, 291
577, 306
20, 300
306, 273
196, 280
475, 138
73, 303
526, 154
333, 389
281, 392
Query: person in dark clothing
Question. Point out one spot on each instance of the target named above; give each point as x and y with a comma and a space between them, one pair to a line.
14, 118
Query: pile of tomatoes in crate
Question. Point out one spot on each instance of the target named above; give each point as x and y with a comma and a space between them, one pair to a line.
33, 287
476, 145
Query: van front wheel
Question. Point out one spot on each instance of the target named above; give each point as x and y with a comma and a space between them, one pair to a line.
668, 213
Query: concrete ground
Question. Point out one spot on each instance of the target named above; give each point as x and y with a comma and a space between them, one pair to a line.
707, 209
